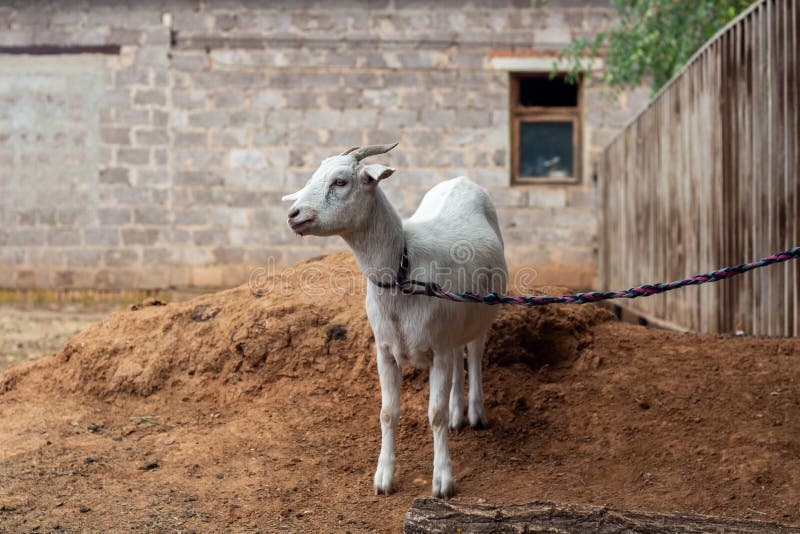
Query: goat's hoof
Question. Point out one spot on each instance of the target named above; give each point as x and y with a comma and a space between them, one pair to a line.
457, 422
478, 420
383, 491
480, 424
383, 479
443, 487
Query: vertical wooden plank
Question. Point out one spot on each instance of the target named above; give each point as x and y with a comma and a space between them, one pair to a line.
794, 160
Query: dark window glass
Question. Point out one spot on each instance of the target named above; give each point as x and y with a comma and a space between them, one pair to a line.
545, 149
544, 92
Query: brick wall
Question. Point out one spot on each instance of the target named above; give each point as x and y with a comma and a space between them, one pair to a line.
163, 165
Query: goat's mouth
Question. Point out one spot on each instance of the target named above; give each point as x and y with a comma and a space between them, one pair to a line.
299, 226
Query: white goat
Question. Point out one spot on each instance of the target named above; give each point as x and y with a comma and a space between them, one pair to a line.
454, 240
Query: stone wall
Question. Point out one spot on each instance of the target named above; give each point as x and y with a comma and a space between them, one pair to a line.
163, 164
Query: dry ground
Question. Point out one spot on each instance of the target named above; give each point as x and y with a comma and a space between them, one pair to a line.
236, 413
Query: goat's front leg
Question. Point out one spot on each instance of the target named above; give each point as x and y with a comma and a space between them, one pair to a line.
391, 379
441, 380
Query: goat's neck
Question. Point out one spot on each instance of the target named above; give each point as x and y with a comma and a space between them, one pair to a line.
378, 244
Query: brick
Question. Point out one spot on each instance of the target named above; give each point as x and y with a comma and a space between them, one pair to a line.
195, 99
542, 197
157, 256
225, 22
230, 57
124, 196
228, 99
114, 216
157, 36
98, 237
229, 137
196, 138
74, 216
582, 198
269, 99
192, 256
114, 175
151, 216
189, 63
190, 21
116, 136
159, 117
151, 137
145, 97
132, 116
246, 118
63, 237
27, 237
475, 119
207, 119
437, 118
384, 98
230, 216
160, 157
313, 118
24, 218
248, 236
228, 255
132, 77
190, 217
247, 158
84, 258
246, 79
121, 257
397, 119
133, 156
124, 36
239, 198
139, 236
302, 99
210, 237
199, 178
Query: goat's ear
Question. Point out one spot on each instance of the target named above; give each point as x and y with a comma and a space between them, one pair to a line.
293, 196
372, 174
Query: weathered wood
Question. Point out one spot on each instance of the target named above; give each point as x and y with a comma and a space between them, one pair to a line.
434, 515
708, 176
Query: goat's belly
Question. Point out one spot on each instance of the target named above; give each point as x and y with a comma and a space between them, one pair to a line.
421, 359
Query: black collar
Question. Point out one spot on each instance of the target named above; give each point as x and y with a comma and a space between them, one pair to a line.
402, 272
406, 285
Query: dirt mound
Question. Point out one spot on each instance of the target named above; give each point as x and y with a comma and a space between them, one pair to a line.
233, 343
233, 412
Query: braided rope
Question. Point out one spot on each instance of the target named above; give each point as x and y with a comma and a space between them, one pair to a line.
634, 292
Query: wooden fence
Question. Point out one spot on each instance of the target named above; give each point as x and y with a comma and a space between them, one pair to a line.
707, 176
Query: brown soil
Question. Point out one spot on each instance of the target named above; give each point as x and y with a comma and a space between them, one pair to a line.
232, 412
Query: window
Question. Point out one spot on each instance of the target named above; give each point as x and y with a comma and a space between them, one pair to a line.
545, 129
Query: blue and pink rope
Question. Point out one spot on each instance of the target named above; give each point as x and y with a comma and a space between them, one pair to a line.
433, 289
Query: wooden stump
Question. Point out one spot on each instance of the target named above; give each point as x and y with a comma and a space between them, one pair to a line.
434, 515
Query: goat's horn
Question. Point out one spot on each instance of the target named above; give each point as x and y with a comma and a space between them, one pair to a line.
372, 150
346, 152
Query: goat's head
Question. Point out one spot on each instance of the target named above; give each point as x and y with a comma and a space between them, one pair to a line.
337, 197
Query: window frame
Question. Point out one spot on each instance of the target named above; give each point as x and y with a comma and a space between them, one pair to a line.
519, 113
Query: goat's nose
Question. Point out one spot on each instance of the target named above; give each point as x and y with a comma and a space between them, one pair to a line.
294, 213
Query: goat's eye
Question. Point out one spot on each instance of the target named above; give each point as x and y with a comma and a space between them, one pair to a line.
340, 182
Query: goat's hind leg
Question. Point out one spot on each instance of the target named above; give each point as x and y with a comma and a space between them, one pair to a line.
476, 412
457, 402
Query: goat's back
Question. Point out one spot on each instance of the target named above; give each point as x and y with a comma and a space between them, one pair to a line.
455, 229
